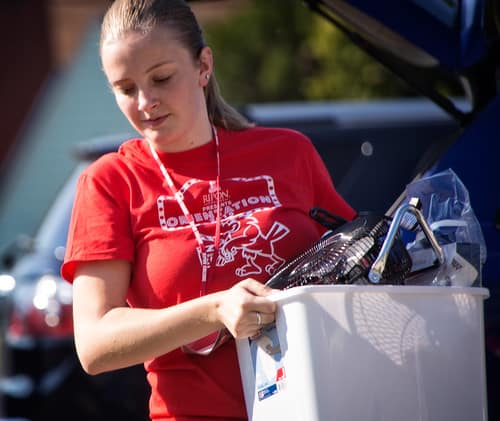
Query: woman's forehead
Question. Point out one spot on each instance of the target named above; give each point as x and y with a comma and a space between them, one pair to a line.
156, 37
137, 49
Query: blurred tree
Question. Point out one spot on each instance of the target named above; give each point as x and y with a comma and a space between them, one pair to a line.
343, 70
277, 50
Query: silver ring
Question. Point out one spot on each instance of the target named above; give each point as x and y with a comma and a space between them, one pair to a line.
259, 319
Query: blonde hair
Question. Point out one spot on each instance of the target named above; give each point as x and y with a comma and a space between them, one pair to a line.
143, 15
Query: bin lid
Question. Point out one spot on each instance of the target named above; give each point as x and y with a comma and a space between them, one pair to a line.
297, 293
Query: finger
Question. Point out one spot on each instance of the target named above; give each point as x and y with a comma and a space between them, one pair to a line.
256, 288
261, 304
259, 322
261, 319
256, 335
267, 318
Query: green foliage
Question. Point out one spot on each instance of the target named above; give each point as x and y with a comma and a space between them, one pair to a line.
343, 70
278, 50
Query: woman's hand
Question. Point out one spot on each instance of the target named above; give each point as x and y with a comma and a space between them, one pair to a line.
110, 335
244, 308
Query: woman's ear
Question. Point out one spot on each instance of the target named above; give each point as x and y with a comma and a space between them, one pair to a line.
206, 61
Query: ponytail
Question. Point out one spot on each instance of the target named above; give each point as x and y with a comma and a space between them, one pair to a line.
220, 112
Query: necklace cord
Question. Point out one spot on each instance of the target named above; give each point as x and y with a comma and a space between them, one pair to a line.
207, 263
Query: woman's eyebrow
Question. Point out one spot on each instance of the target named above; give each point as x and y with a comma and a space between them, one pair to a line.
162, 63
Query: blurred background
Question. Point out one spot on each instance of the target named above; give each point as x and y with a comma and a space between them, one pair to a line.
55, 95
276, 61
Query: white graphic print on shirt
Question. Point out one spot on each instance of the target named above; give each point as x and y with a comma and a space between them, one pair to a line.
241, 235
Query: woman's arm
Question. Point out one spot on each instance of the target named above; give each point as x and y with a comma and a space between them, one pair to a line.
110, 335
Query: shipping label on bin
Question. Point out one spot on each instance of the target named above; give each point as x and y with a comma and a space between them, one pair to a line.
265, 351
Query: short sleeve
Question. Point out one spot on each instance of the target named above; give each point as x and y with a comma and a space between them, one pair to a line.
100, 223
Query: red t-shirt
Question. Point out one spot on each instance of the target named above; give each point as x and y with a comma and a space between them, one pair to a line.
270, 179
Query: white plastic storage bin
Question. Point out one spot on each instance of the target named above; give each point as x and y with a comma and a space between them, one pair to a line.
347, 353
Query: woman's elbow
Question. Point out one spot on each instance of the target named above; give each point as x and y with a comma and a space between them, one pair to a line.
90, 368
90, 361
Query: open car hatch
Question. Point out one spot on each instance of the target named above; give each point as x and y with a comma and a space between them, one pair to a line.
439, 47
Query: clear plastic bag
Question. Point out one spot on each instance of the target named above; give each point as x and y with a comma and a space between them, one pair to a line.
446, 206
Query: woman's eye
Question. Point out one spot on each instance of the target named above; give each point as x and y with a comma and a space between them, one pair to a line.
161, 80
124, 90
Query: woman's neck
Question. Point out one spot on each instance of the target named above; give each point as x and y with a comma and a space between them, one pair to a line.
185, 141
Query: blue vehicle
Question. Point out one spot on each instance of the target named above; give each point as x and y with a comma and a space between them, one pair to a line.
456, 43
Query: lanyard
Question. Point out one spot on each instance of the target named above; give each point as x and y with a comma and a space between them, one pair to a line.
206, 259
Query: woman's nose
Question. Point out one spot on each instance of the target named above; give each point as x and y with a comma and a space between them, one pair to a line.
147, 101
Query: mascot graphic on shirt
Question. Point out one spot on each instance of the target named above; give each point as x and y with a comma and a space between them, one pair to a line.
257, 254
242, 237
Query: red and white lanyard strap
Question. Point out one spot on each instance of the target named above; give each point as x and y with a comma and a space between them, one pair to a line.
206, 262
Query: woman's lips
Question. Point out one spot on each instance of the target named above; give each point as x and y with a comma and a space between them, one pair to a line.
154, 122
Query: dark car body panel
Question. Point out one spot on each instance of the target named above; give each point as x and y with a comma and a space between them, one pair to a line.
428, 43
458, 41
451, 31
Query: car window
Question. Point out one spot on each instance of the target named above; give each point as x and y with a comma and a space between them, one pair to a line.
53, 230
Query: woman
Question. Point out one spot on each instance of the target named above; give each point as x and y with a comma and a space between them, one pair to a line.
173, 236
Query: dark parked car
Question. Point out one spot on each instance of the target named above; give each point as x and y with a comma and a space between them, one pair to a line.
41, 375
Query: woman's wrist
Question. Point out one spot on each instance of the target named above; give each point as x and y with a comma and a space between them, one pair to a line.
213, 302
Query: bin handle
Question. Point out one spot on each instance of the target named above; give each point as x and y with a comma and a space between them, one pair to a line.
375, 274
